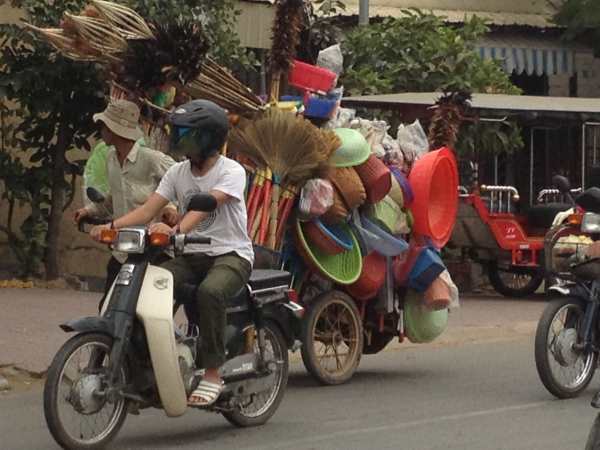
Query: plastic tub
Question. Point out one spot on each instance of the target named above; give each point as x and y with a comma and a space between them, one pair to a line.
386, 213
380, 241
434, 181
311, 78
371, 278
420, 323
354, 150
376, 178
331, 240
426, 269
322, 108
344, 268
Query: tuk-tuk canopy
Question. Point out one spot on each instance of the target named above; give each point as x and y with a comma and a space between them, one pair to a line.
527, 107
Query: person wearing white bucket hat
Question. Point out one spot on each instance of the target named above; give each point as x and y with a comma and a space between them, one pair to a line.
133, 171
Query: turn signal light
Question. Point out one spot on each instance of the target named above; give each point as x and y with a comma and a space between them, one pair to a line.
159, 239
108, 236
575, 219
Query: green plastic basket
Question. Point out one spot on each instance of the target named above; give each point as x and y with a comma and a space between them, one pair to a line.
385, 213
421, 324
354, 150
344, 268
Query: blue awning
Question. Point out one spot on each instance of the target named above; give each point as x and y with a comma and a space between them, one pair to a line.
531, 56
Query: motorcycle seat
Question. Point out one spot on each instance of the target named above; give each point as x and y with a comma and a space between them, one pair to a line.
261, 279
542, 216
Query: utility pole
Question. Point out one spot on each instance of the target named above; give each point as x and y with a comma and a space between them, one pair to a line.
363, 12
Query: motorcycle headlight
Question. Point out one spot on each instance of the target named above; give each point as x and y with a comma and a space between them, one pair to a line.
590, 223
130, 241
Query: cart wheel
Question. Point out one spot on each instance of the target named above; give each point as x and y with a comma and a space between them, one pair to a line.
513, 284
332, 338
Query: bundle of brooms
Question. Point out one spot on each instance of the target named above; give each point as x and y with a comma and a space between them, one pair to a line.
286, 150
143, 56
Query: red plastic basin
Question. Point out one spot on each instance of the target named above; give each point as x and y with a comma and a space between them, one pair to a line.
434, 181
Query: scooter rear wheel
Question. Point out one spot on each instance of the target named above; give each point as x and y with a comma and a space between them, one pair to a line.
77, 416
259, 408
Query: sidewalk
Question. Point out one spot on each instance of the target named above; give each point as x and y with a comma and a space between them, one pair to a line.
30, 336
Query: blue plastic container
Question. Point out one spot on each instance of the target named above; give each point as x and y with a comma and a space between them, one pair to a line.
427, 268
379, 240
319, 107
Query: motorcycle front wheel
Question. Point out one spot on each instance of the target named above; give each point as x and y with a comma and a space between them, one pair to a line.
78, 415
564, 370
257, 409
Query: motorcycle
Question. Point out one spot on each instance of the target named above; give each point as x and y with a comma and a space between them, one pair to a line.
133, 357
567, 338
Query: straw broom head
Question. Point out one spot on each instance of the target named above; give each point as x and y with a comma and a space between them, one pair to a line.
291, 146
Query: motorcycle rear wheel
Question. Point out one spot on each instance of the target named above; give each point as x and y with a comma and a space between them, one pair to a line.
81, 380
261, 407
554, 353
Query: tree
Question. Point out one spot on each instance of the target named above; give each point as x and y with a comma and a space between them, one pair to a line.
418, 52
54, 100
581, 19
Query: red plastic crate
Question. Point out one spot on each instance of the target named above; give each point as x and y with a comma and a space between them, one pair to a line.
311, 78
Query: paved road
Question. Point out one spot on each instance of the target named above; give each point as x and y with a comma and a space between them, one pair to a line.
469, 396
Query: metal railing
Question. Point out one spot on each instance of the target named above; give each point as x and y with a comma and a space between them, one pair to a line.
501, 198
554, 195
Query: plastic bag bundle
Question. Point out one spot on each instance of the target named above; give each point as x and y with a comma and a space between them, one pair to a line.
412, 141
341, 119
316, 197
331, 58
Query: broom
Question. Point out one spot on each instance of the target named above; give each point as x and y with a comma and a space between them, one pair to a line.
290, 146
286, 37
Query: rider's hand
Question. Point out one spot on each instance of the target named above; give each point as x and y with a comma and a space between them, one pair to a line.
80, 214
160, 227
96, 231
170, 216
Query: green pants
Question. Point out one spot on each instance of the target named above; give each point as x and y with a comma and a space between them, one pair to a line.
218, 278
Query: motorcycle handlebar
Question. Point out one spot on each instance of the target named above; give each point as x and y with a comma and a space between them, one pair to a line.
91, 221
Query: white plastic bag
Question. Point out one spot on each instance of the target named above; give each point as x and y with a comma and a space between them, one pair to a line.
412, 141
454, 294
316, 197
341, 119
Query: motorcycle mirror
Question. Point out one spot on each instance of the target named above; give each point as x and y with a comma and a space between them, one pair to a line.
95, 195
203, 203
562, 184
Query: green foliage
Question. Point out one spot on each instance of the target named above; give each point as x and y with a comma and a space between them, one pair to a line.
54, 99
580, 18
418, 52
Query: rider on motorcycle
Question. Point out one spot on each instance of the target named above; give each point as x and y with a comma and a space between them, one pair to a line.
199, 131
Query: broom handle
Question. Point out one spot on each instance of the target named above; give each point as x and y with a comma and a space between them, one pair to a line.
255, 226
289, 203
275, 83
253, 204
274, 210
265, 213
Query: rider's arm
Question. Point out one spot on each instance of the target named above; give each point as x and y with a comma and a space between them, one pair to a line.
143, 214
193, 218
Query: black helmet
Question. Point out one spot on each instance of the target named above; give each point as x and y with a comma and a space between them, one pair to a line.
198, 128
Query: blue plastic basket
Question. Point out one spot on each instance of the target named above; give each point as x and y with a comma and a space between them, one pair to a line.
319, 107
427, 268
379, 240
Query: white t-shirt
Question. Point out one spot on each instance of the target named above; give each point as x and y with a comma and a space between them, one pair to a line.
226, 226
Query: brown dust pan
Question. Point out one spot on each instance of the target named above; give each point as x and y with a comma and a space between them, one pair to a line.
125, 20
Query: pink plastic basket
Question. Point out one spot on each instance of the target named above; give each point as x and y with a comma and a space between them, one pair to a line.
311, 78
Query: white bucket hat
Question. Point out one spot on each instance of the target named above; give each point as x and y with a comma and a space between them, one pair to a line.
122, 118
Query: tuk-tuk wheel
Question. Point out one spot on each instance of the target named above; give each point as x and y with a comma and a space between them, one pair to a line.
512, 283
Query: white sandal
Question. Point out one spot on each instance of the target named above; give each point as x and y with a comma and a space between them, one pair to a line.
206, 393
